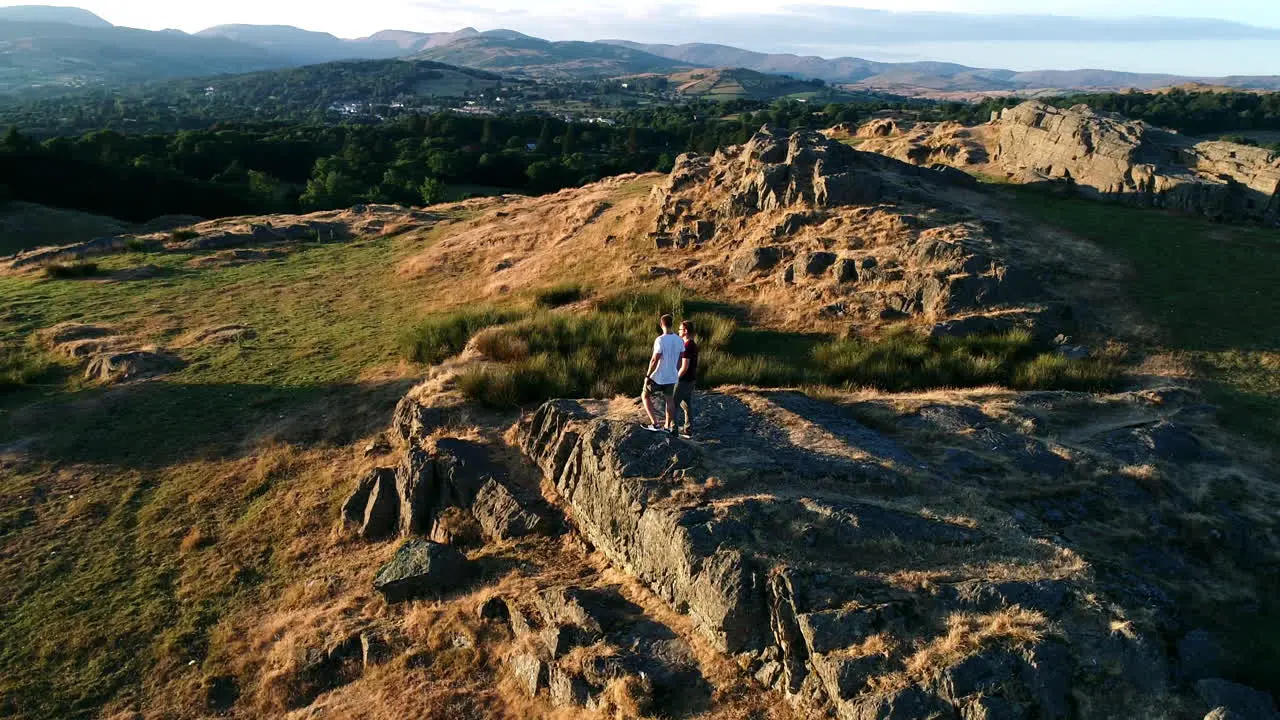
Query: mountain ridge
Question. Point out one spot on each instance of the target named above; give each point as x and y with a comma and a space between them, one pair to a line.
49, 54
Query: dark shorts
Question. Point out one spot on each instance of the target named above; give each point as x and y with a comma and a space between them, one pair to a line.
655, 388
684, 391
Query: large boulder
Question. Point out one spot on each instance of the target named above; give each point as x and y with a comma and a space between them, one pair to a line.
421, 568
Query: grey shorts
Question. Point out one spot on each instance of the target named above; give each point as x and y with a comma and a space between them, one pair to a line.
684, 391
655, 388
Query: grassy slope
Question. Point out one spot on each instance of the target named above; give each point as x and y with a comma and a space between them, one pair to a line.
150, 515
145, 537
1209, 288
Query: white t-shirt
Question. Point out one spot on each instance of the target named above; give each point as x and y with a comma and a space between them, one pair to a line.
670, 346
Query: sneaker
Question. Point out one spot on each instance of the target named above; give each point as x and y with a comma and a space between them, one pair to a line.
672, 430
652, 428
687, 435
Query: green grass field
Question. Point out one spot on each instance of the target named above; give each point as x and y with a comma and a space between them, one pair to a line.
1210, 288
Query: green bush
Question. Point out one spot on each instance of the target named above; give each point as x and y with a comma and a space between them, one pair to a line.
70, 270
442, 336
136, 245
558, 295
183, 235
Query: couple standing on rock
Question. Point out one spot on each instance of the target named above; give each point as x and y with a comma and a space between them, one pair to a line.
673, 369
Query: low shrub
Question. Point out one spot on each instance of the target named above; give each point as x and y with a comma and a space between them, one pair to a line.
70, 270
136, 245
558, 295
183, 235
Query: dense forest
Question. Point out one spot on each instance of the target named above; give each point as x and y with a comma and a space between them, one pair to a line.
307, 160
246, 168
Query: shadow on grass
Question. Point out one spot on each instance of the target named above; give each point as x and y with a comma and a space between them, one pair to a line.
157, 423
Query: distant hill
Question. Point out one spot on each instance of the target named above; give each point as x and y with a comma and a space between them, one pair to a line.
57, 56
739, 84
302, 47
925, 76
48, 13
53, 49
515, 53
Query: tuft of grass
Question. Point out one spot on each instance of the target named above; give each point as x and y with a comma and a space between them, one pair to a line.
439, 337
63, 271
136, 245
20, 364
603, 353
906, 361
558, 295
183, 235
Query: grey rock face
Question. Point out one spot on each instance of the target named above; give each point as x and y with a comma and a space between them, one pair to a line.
780, 563
422, 568
1237, 700
502, 516
1118, 159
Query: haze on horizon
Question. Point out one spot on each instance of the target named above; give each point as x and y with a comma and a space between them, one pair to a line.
1186, 37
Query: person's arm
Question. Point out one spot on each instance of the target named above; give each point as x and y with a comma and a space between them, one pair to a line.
657, 357
684, 363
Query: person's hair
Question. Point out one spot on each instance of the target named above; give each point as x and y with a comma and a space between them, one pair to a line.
688, 327
665, 321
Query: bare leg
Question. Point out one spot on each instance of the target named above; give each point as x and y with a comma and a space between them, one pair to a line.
647, 399
671, 411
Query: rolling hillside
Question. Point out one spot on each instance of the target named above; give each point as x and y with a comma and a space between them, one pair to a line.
542, 58
935, 76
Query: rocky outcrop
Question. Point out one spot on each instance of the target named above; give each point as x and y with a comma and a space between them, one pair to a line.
109, 357
583, 647
415, 497
271, 231
1102, 155
845, 232
797, 540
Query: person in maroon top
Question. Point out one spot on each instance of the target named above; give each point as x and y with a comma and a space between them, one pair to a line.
688, 379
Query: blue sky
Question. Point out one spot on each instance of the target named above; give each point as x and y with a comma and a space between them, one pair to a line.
1191, 37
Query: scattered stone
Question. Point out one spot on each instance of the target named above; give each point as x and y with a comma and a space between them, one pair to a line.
115, 367
382, 509
141, 272
455, 526
224, 335
68, 332
373, 649
422, 568
817, 263
530, 672
755, 260
353, 509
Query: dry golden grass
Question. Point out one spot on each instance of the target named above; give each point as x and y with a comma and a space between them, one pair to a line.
966, 634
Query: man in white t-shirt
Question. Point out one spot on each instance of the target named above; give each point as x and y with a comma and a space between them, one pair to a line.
663, 374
